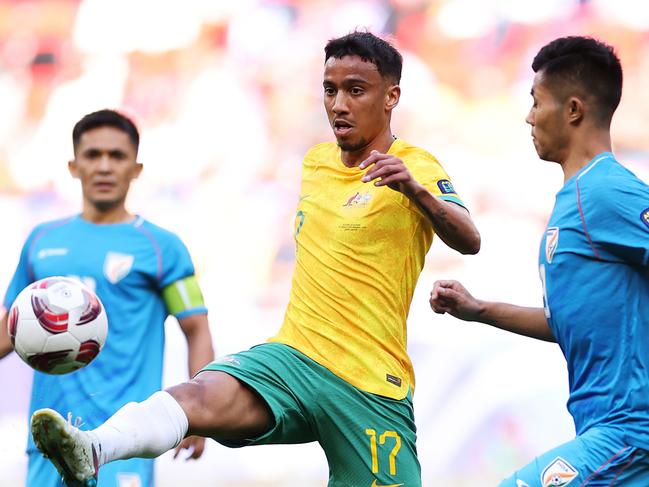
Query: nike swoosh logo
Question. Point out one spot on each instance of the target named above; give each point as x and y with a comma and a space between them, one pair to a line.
374, 484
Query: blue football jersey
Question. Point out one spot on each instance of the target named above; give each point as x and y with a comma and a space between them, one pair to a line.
128, 265
594, 267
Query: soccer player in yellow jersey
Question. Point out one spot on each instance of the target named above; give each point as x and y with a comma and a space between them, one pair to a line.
337, 372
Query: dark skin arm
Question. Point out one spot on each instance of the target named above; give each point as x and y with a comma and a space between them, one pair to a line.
451, 222
199, 353
452, 298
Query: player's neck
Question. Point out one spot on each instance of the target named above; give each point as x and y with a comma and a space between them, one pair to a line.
93, 214
580, 154
382, 143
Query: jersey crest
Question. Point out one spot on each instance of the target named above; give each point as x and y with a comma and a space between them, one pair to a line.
117, 266
551, 242
129, 480
358, 200
558, 473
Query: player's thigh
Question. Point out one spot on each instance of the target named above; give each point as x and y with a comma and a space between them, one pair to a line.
370, 441
279, 381
41, 472
597, 458
135, 472
219, 405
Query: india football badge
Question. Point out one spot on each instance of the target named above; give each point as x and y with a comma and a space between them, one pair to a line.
128, 480
558, 473
551, 242
644, 217
117, 266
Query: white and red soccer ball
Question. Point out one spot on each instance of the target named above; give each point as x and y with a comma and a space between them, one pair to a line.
57, 325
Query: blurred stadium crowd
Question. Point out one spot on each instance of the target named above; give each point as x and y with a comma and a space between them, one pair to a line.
227, 95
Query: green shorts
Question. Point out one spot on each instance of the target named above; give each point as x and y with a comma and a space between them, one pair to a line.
369, 440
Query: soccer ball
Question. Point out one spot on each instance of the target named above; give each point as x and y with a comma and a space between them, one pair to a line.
57, 325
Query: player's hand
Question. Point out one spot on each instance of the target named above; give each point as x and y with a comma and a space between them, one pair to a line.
388, 170
452, 298
196, 445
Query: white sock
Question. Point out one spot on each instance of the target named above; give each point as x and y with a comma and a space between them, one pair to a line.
142, 429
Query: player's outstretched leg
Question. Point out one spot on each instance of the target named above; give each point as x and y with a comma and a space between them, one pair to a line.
146, 429
214, 404
70, 450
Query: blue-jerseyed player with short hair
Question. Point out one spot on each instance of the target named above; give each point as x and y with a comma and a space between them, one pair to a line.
141, 272
594, 267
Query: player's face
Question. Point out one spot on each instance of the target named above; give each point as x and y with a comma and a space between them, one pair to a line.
105, 163
358, 101
550, 132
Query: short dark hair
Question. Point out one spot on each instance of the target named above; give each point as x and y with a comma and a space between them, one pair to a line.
589, 65
369, 48
105, 118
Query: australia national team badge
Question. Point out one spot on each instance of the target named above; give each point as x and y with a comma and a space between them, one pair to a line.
358, 200
558, 473
644, 216
117, 266
551, 242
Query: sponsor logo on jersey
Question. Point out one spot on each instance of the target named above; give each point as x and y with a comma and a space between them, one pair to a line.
374, 484
128, 480
558, 473
644, 216
445, 186
43, 253
228, 359
393, 380
551, 242
117, 266
521, 483
359, 200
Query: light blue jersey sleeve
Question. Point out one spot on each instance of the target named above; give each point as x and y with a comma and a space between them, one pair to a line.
178, 282
24, 275
617, 219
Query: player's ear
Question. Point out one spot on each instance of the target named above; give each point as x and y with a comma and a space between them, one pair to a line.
72, 167
576, 110
392, 97
137, 170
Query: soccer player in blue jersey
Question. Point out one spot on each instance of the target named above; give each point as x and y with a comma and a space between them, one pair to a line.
594, 268
141, 272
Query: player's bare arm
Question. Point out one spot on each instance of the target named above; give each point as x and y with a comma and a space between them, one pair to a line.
452, 298
451, 222
199, 341
5, 341
199, 353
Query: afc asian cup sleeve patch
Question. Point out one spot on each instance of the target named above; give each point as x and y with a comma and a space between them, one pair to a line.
644, 217
446, 187
558, 473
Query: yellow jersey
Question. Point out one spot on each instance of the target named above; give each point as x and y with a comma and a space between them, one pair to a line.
359, 252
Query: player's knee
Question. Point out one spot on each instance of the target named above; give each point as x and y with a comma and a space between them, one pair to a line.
208, 396
217, 404
192, 397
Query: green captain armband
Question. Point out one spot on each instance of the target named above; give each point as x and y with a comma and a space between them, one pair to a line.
183, 295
